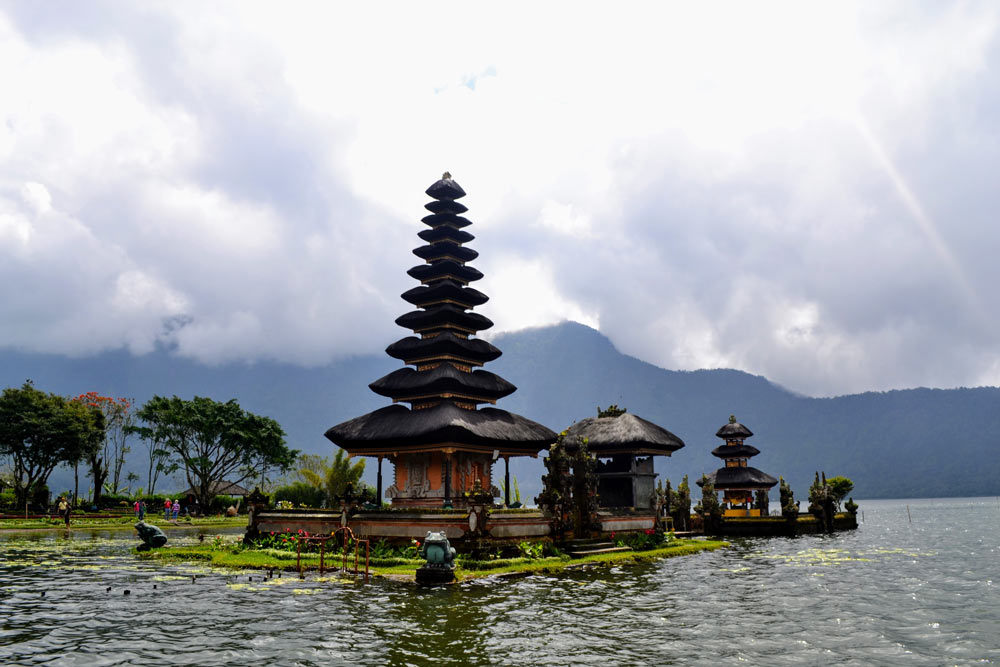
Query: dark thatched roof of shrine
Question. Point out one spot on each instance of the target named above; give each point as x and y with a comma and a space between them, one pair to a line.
739, 478
624, 434
438, 316
445, 290
407, 383
735, 451
445, 343
733, 430
446, 189
397, 428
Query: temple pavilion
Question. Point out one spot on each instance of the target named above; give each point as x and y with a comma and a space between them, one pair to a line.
624, 446
737, 480
444, 441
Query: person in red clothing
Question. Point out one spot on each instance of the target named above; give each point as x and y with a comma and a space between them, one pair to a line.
167, 506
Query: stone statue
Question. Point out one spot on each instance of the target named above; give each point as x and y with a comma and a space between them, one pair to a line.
440, 555
151, 536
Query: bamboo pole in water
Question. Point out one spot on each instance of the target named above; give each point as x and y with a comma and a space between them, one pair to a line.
908, 517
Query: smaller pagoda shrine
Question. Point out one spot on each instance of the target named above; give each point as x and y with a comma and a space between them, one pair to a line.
624, 446
737, 480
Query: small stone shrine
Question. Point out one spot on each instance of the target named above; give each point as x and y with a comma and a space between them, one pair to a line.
736, 480
624, 446
443, 442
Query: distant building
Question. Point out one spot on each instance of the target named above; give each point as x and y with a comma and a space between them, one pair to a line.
443, 442
624, 446
736, 480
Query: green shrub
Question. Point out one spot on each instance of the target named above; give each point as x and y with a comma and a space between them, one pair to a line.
644, 541
300, 493
7, 500
115, 501
221, 503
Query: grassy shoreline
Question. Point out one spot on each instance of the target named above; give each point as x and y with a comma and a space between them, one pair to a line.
400, 569
119, 523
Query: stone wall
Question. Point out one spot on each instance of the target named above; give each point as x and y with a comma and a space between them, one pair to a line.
405, 525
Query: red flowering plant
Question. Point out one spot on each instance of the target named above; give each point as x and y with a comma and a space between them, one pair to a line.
644, 541
287, 541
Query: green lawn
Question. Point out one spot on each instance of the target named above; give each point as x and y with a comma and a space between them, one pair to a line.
124, 522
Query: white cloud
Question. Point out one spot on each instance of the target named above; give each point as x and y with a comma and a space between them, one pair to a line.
799, 190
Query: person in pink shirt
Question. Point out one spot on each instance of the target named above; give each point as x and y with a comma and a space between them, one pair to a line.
177, 509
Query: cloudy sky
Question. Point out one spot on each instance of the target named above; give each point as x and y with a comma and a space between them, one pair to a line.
806, 191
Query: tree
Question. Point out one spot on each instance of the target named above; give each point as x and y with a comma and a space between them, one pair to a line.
215, 441
762, 502
681, 507
839, 488
107, 461
159, 458
557, 490
39, 431
821, 501
584, 490
818, 494
131, 477
789, 508
332, 478
709, 506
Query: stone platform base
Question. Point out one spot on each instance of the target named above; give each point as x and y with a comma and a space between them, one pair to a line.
430, 575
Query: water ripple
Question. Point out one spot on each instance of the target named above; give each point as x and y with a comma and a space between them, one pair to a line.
890, 593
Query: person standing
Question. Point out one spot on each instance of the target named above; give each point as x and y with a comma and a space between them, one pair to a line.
64, 509
177, 509
135, 508
167, 506
142, 510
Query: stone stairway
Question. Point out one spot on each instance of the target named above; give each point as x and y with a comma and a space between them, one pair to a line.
581, 548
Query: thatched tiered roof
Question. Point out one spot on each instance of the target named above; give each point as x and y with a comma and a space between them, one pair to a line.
737, 474
624, 434
739, 478
444, 389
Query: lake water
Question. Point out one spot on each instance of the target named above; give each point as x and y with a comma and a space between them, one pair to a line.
890, 593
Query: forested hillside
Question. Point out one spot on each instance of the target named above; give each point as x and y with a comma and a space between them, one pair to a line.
919, 442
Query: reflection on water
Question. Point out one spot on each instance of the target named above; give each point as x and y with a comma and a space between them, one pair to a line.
893, 592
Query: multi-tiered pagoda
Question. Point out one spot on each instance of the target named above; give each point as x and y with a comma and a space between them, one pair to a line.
737, 480
444, 441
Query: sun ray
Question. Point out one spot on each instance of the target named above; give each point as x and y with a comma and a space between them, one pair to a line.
924, 222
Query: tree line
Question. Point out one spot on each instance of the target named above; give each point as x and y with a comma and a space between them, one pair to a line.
210, 441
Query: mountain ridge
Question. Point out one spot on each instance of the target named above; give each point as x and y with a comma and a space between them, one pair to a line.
897, 443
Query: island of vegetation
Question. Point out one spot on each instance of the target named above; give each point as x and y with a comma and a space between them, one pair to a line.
278, 553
